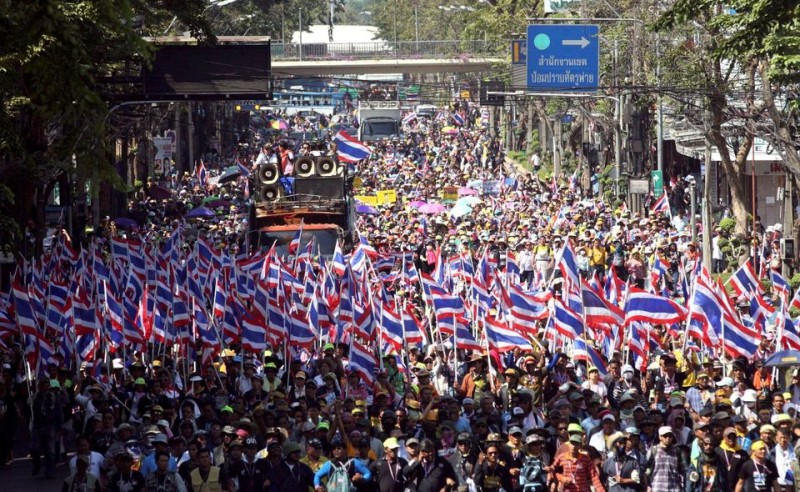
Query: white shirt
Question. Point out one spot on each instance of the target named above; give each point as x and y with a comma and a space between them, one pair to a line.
783, 461
95, 462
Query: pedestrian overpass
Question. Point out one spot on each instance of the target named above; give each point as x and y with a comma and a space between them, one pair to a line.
378, 57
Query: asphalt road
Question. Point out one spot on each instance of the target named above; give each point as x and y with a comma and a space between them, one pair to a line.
18, 478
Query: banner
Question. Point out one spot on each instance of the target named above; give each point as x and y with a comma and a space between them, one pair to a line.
382, 197
450, 193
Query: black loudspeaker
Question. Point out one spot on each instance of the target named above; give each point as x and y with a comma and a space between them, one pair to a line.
305, 167
269, 193
326, 166
331, 188
268, 174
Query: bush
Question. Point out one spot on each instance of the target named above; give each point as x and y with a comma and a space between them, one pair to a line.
727, 224
795, 281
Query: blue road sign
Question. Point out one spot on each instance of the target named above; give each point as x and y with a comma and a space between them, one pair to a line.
563, 57
519, 47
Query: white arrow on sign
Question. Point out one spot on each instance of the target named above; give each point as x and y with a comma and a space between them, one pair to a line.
583, 42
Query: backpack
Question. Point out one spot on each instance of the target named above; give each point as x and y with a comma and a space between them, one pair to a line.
339, 478
532, 476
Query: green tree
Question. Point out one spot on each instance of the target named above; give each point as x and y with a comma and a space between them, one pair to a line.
754, 50
54, 58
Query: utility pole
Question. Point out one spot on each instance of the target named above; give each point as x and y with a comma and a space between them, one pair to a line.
693, 204
300, 47
660, 118
618, 124
707, 205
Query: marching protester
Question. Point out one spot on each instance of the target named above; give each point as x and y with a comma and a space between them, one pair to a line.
485, 329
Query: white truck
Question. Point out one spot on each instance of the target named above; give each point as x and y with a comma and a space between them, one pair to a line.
378, 120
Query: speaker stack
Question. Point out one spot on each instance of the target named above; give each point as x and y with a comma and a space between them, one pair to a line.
318, 177
269, 188
315, 178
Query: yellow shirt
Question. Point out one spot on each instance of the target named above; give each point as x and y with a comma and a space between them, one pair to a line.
597, 256
315, 466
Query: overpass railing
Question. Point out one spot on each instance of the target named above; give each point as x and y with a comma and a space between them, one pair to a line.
385, 50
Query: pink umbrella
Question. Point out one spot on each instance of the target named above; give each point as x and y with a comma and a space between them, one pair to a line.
417, 203
467, 191
432, 208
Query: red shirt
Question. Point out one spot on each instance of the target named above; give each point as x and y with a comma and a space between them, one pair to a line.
576, 473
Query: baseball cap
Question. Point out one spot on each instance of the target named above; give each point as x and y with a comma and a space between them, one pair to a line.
291, 447
391, 443
576, 438
574, 429
533, 438
726, 381
664, 430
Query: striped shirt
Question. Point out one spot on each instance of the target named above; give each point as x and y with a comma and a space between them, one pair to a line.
577, 473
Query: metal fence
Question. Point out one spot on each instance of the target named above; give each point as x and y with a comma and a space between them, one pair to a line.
386, 50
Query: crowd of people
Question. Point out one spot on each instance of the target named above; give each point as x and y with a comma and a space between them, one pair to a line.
430, 416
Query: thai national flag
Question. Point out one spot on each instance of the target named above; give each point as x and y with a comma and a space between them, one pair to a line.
412, 116
363, 361
760, 311
585, 352
503, 339
242, 168
707, 308
338, 260
412, 328
744, 280
294, 246
115, 321
458, 119
392, 325
597, 310
526, 308
652, 308
662, 206
464, 339
566, 321
349, 149
638, 347
790, 338
367, 248
780, 284
253, 329
200, 174
795, 300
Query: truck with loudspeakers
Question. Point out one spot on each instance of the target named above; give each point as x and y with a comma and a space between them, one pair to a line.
316, 202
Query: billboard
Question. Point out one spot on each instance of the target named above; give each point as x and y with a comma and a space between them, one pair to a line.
222, 72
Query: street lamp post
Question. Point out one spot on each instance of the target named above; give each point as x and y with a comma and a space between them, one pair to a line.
693, 202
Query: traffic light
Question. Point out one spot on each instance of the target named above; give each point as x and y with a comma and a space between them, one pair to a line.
493, 86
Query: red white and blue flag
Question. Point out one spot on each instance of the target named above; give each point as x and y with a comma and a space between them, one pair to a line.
651, 308
662, 206
585, 352
349, 149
